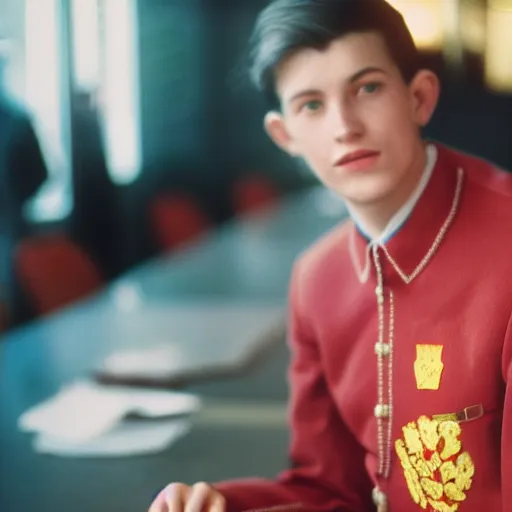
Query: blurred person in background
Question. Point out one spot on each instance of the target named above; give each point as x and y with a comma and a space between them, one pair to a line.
22, 172
400, 318
94, 221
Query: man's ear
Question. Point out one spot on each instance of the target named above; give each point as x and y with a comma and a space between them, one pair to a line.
276, 130
424, 89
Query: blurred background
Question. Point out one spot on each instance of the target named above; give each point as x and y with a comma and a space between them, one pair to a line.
148, 137
148, 228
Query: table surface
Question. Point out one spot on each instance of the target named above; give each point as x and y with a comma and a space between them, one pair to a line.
241, 269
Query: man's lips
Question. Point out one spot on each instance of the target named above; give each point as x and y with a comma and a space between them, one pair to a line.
356, 155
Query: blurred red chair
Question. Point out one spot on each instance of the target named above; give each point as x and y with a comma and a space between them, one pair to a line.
253, 192
176, 219
54, 272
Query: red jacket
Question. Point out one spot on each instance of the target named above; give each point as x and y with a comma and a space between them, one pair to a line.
441, 438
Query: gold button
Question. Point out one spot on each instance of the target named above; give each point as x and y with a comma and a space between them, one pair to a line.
381, 411
379, 499
382, 349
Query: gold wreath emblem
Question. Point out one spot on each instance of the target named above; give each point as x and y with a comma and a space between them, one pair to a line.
438, 473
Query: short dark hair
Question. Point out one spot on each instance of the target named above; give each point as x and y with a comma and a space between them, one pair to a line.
286, 26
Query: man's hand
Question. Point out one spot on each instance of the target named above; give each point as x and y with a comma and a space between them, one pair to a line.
178, 497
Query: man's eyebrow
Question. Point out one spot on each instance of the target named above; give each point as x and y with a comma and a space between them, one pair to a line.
356, 76
307, 92
365, 71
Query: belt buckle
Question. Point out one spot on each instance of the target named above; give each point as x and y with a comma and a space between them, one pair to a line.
473, 412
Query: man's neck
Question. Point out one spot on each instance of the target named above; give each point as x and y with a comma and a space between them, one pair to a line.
376, 217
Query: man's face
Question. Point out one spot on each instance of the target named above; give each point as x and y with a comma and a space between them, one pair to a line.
349, 114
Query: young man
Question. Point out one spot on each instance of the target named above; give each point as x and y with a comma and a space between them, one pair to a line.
400, 320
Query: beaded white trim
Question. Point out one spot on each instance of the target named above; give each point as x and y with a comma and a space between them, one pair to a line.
384, 408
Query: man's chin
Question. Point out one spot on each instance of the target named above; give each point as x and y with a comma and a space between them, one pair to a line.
364, 187
363, 198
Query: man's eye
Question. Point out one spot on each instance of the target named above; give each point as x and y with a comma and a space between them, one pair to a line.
370, 88
312, 105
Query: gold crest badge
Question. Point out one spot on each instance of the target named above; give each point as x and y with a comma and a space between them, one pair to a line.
428, 366
437, 471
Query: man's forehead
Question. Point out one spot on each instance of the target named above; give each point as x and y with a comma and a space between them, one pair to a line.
340, 61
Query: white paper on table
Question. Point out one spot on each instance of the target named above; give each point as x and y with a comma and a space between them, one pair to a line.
87, 410
156, 362
130, 437
155, 403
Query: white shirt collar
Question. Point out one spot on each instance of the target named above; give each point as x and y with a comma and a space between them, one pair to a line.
399, 218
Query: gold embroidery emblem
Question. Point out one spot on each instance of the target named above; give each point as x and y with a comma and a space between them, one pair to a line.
428, 366
437, 472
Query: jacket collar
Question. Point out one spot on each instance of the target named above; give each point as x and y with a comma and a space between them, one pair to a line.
411, 249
